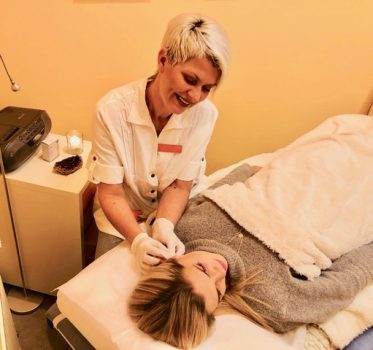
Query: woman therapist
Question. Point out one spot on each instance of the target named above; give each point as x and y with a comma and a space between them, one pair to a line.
150, 138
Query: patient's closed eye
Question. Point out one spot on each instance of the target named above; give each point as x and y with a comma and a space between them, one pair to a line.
202, 268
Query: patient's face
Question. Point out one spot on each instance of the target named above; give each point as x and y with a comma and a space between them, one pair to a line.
206, 272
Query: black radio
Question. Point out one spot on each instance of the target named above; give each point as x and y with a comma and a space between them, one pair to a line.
21, 132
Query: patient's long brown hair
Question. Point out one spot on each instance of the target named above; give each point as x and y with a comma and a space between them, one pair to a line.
165, 306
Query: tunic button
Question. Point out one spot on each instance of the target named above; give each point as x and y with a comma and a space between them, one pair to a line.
152, 191
94, 158
152, 175
153, 200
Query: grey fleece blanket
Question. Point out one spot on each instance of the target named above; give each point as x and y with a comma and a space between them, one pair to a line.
292, 300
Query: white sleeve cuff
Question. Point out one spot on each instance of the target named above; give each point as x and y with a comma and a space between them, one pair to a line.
190, 172
107, 174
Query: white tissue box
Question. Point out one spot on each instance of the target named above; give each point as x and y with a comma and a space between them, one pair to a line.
49, 147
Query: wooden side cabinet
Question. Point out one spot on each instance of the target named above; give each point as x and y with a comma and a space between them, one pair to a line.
51, 214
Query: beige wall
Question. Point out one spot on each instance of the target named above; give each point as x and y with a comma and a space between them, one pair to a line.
295, 62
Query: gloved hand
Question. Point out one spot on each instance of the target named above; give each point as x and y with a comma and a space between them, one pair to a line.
148, 251
163, 231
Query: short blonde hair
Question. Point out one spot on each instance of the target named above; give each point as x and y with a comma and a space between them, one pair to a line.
193, 35
165, 307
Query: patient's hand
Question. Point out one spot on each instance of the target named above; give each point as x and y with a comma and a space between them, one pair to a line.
148, 251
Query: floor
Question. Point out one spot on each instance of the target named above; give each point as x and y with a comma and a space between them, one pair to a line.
33, 331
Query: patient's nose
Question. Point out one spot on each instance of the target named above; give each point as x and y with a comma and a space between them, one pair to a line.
218, 272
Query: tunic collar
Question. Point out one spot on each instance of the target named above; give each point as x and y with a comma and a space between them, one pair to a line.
139, 112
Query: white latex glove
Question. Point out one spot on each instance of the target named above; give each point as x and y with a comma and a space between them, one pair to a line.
148, 251
163, 231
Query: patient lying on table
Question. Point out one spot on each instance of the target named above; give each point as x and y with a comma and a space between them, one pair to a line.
225, 266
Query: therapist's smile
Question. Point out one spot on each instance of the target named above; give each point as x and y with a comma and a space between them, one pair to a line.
183, 102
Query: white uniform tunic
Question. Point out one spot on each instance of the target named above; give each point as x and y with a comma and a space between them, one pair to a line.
125, 148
